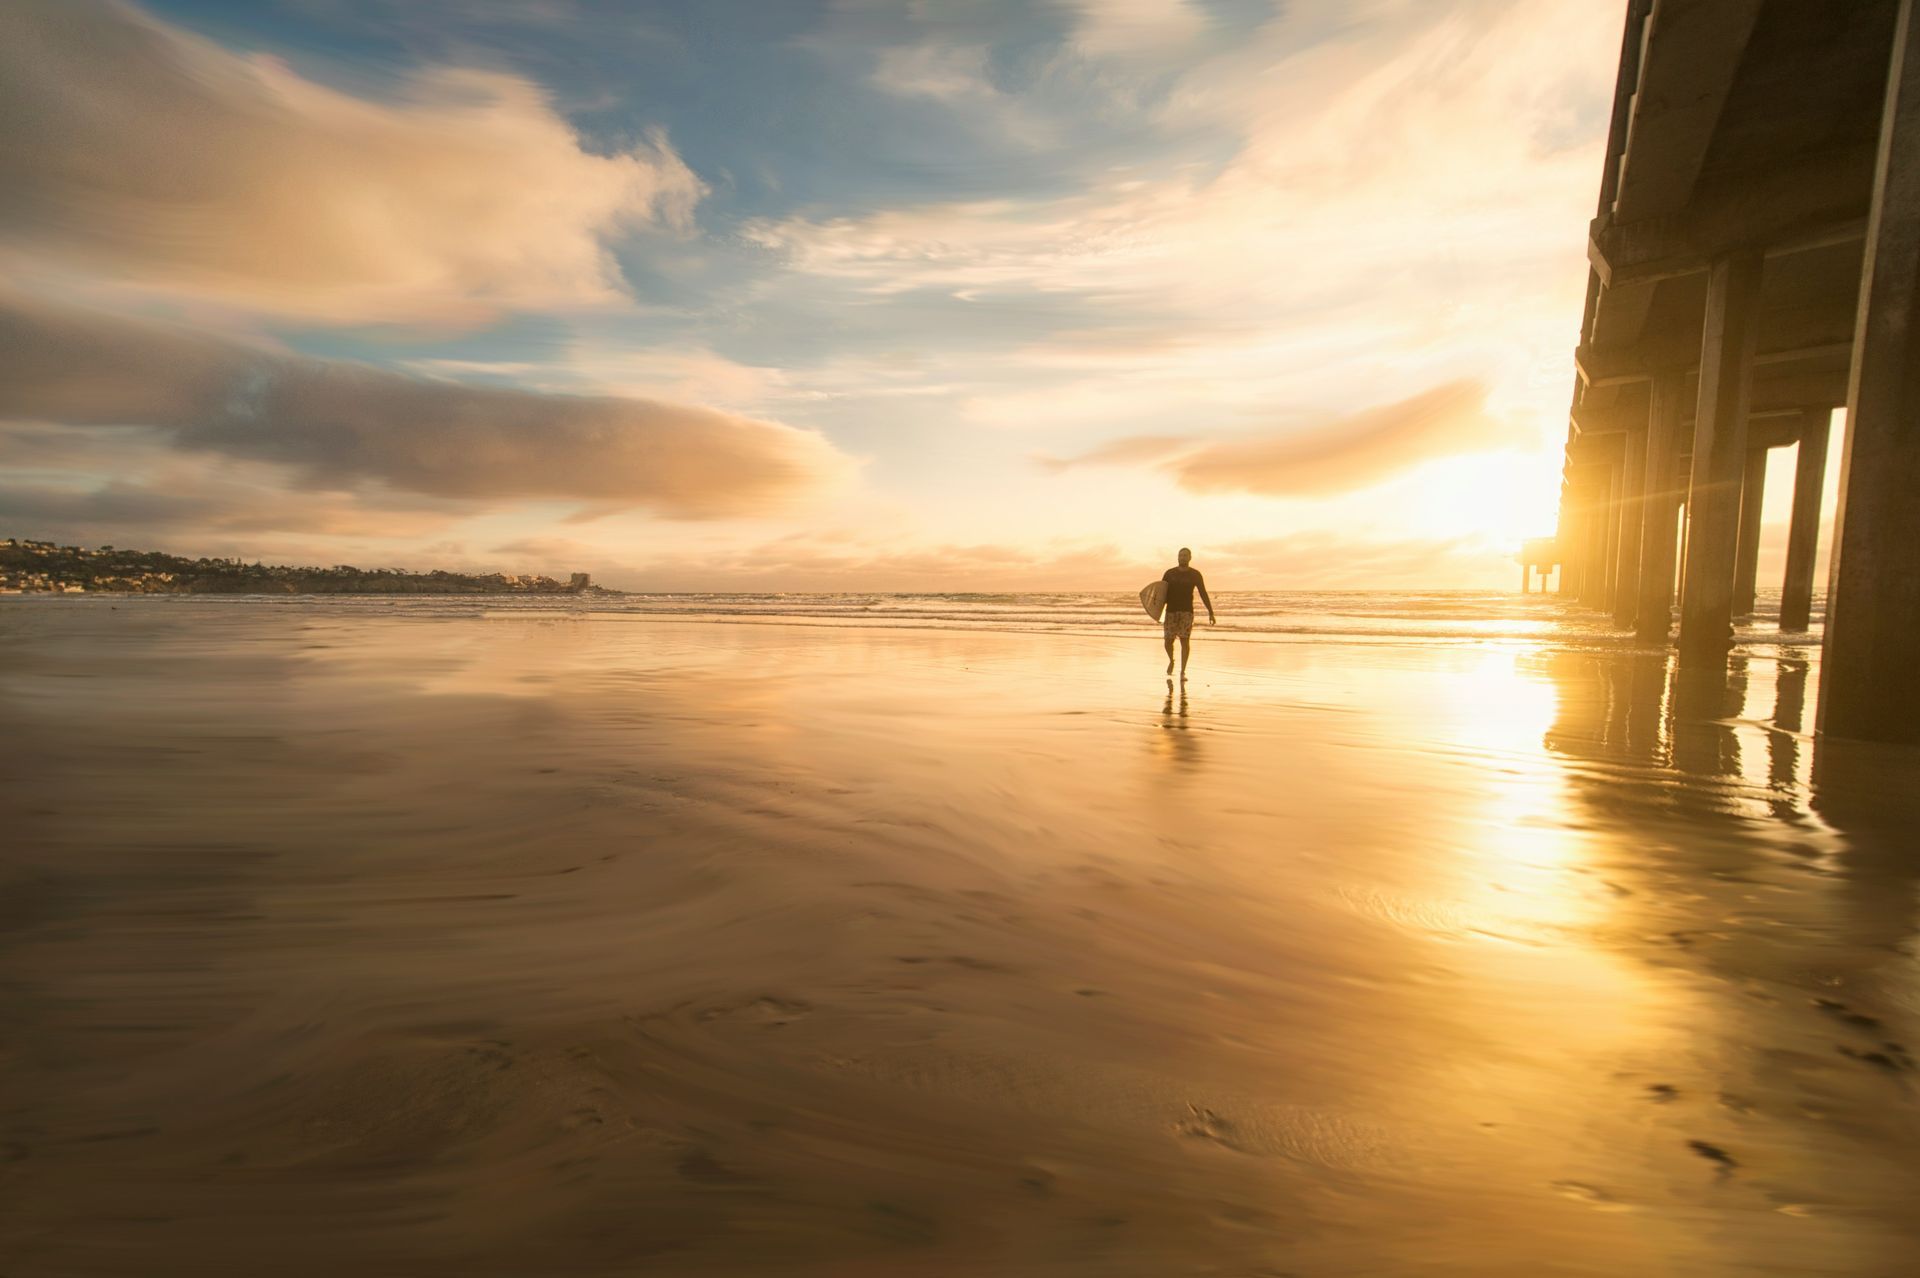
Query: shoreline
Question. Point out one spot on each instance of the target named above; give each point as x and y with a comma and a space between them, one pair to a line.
1566, 627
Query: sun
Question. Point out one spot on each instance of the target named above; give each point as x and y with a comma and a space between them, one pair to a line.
1494, 497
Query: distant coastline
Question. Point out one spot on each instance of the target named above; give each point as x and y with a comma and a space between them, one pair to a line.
44, 567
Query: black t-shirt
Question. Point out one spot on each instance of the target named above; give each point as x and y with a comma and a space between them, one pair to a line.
1180, 584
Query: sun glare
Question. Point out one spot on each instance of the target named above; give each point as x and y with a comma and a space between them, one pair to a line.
1496, 497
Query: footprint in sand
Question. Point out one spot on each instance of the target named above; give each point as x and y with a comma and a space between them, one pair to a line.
1714, 1154
583, 1117
1891, 1056
769, 1010
1204, 1124
493, 1052
967, 961
1592, 1195
699, 1165
1841, 1012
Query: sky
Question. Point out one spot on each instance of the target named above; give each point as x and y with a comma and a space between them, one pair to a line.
800, 294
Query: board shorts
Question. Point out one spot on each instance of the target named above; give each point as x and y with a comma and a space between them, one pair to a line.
1177, 625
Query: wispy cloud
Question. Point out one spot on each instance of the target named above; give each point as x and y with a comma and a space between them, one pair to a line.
944, 72
1135, 450
1127, 28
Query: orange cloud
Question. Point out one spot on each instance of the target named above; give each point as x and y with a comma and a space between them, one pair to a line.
202, 505
140, 152
341, 425
1135, 450
1353, 451
1338, 456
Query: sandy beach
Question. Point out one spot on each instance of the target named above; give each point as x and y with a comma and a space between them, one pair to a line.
388, 942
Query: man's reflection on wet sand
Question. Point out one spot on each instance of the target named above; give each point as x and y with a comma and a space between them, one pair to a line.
1176, 741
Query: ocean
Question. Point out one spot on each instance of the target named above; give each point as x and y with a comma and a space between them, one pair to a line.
1443, 616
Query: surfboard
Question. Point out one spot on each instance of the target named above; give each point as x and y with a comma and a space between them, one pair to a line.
1153, 597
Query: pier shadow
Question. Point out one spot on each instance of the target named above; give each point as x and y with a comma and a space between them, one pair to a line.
1711, 783
1705, 706
1609, 708
1867, 793
1785, 757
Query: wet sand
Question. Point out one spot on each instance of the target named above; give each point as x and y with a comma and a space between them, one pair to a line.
542, 944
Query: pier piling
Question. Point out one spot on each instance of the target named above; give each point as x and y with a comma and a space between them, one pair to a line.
1870, 684
1803, 535
1746, 568
1719, 456
1659, 532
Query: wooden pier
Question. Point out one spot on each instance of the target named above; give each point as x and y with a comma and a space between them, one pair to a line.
1756, 266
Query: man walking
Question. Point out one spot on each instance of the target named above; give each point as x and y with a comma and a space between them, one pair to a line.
1178, 622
